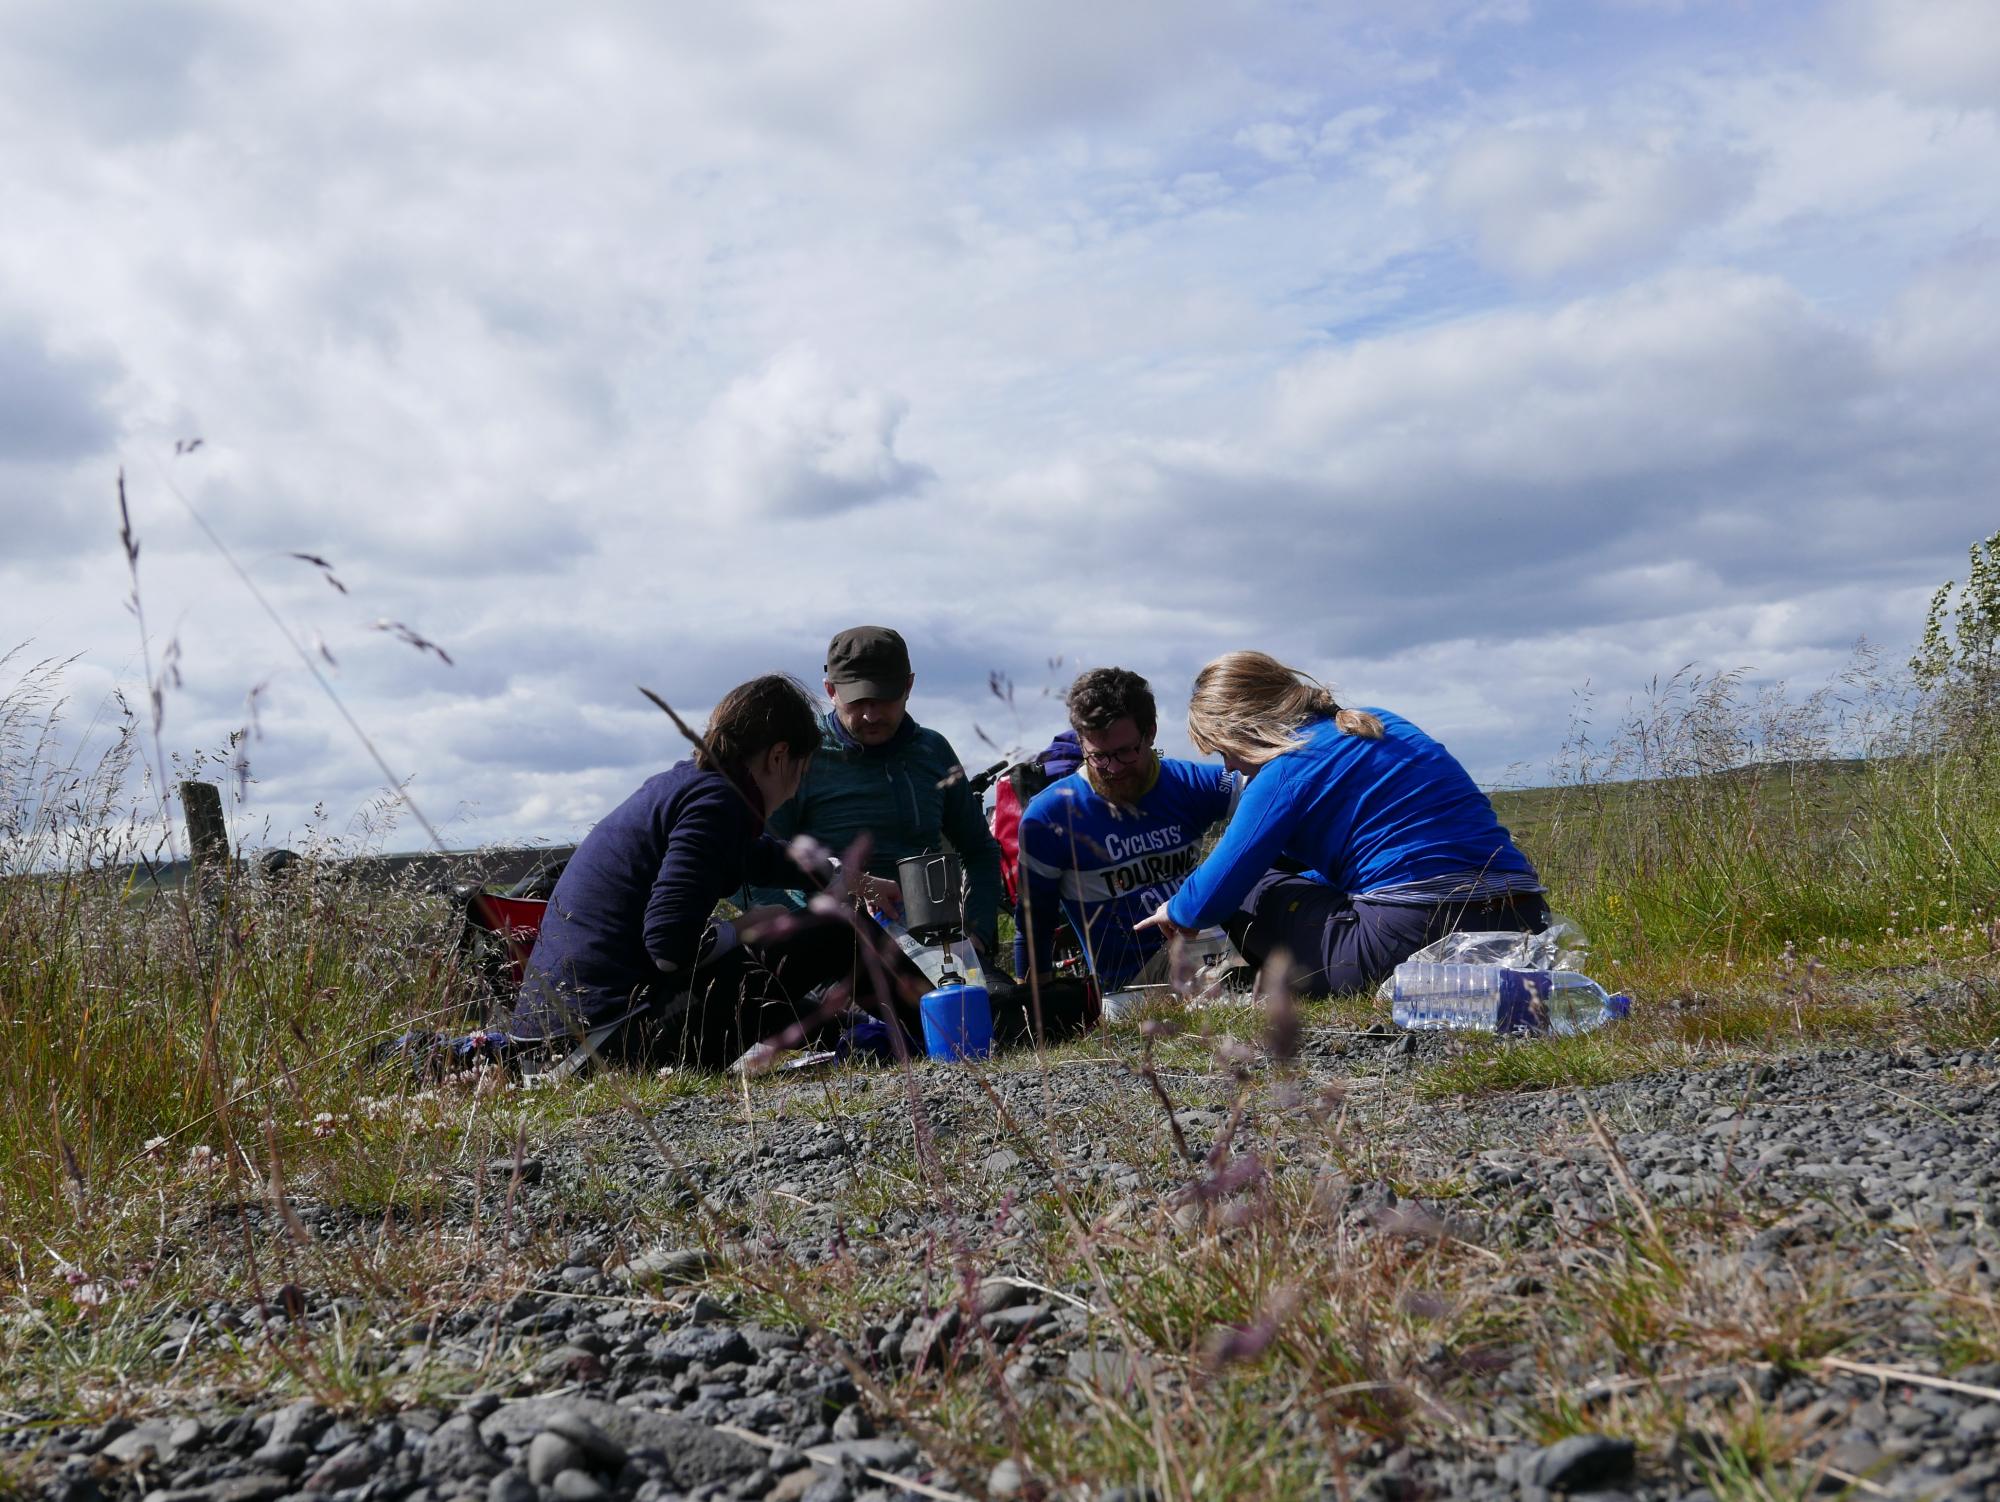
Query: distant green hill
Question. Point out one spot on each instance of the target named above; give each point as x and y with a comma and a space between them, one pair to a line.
1828, 791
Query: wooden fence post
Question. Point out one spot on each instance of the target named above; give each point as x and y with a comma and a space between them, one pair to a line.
208, 834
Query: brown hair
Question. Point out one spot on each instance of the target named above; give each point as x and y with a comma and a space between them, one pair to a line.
1251, 706
774, 710
1102, 697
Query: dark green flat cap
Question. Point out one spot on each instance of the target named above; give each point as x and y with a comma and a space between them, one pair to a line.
868, 662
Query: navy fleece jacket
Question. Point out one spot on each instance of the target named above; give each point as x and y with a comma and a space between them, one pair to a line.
635, 899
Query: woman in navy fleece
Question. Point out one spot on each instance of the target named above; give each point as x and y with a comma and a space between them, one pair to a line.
1358, 841
626, 963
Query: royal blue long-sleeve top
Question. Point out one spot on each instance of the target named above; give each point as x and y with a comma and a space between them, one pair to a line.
1396, 818
633, 903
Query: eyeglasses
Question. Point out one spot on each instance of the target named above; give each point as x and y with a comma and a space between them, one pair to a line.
1122, 756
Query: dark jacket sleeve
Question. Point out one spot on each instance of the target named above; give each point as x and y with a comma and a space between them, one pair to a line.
707, 850
770, 864
779, 885
964, 824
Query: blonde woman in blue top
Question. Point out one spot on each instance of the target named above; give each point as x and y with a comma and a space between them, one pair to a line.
1357, 841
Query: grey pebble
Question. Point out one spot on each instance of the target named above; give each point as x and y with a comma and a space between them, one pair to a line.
929, 1340
549, 1455
285, 1459
1856, 1457
577, 1486
701, 1455
668, 1265
881, 1454
336, 1436
853, 1423
995, 1294
150, 1439
1009, 1324
344, 1468
1578, 1463
301, 1423
599, 1448
457, 1449
1980, 1422
713, 1344
709, 1311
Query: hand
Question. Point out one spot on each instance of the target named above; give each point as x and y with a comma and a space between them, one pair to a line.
882, 896
1169, 929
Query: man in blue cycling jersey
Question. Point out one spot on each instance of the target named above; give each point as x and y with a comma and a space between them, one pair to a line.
1110, 842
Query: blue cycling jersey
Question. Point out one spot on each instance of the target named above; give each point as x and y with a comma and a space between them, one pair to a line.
1111, 864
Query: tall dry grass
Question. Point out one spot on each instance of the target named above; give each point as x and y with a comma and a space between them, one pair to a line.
1717, 827
164, 1041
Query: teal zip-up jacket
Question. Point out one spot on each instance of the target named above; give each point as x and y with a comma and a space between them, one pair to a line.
909, 796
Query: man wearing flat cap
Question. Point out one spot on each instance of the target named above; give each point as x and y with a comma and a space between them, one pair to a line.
881, 773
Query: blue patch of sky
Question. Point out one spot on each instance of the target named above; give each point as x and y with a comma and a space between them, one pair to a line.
1438, 284
1592, 40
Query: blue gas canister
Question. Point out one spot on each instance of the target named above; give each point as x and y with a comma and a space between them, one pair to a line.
958, 1021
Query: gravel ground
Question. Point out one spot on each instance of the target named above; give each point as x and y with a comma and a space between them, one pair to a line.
623, 1371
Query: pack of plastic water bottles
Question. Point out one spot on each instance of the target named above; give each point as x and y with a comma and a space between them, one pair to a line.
1502, 983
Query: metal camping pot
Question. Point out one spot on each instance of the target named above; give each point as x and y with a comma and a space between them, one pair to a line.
933, 895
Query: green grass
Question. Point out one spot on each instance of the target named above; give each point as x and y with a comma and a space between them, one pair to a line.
1712, 832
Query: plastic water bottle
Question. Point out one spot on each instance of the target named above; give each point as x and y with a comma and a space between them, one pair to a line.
1429, 997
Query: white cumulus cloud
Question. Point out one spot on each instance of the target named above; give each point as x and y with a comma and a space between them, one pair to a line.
1944, 51
794, 440
1543, 202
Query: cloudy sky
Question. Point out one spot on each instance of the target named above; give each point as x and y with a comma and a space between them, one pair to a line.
1468, 357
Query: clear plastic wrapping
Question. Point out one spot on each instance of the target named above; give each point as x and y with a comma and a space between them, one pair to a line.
1560, 946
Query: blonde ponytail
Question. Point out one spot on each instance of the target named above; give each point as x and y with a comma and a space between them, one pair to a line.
1358, 722
1251, 706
